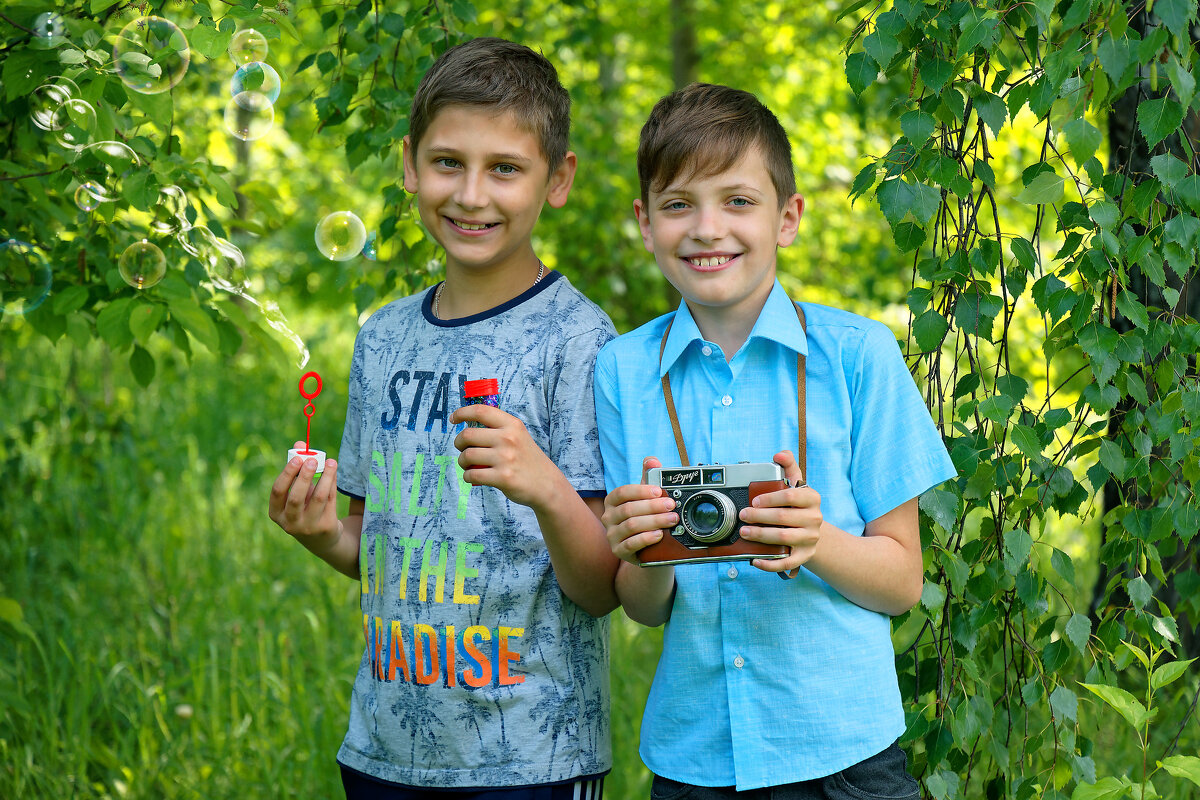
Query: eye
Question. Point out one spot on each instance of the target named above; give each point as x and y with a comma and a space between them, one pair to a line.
506, 169
448, 163
740, 202
675, 205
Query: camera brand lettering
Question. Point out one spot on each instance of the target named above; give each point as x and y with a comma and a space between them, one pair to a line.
681, 478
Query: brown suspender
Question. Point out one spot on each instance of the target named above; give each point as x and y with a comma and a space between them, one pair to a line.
802, 448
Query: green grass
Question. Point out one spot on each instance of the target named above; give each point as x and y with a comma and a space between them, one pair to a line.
181, 645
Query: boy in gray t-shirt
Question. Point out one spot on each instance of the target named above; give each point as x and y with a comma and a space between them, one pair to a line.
484, 568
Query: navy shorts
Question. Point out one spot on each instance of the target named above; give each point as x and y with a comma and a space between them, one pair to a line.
883, 776
363, 787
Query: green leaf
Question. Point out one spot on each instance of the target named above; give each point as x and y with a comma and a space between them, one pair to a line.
1158, 119
917, 126
1115, 56
898, 197
1026, 440
1045, 189
941, 506
113, 323
1122, 702
70, 299
1017, 545
1139, 592
992, 111
145, 319
929, 329
1182, 766
1079, 630
1064, 702
882, 47
142, 364
1169, 169
1109, 788
1023, 251
932, 597
935, 73
979, 29
1182, 81
861, 71
196, 322
1083, 139
1063, 565
1176, 14
1168, 673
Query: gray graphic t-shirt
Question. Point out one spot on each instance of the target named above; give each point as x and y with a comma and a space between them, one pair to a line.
477, 670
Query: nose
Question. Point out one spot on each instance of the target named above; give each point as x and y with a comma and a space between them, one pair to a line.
469, 193
708, 224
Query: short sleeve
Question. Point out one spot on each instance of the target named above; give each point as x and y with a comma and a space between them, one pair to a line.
898, 453
608, 421
574, 445
352, 481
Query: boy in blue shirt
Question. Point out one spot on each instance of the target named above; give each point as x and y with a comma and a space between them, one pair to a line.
762, 683
485, 574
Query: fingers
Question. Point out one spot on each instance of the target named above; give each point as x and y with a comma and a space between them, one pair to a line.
487, 416
791, 470
279, 489
649, 463
299, 507
634, 518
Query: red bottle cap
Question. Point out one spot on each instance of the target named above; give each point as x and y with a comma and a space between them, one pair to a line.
481, 388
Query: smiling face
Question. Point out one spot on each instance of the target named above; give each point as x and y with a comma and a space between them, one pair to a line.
481, 181
714, 237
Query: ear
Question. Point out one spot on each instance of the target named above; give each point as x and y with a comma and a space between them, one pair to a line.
561, 180
410, 170
789, 220
643, 220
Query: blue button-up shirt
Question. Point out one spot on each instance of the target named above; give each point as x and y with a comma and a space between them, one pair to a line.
764, 682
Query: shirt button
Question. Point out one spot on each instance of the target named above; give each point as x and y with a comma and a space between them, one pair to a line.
739, 662
706, 350
726, 400
732, 572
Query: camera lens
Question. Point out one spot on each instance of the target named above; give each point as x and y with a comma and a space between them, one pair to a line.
708, 516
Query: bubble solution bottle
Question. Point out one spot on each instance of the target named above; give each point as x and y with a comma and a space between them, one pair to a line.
486, 392
309, 409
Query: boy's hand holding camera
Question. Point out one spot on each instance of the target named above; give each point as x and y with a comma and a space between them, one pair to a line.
636, 516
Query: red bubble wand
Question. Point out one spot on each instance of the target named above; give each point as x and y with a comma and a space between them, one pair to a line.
309, 410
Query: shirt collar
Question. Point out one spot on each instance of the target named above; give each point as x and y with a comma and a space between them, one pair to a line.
777, 322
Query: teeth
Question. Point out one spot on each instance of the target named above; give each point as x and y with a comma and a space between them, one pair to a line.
467, 226
716, 261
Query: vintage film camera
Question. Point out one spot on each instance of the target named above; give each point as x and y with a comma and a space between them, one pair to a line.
708, 498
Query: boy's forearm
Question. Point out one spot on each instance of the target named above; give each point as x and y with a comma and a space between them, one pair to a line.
339, 551
583, 562
646, 593
875, 572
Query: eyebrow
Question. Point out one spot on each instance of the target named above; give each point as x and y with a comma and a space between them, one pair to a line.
434, 150
744, 188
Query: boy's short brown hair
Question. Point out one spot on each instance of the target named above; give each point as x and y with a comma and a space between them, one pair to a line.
495, 74
703, 130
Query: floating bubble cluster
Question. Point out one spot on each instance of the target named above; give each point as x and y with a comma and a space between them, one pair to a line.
142, 264
370, 251
256, 76
24, 277
151, 55
73, 123
248, 45
340, 236
47, 99
249, 116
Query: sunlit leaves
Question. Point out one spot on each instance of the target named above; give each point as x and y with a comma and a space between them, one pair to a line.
1159, 118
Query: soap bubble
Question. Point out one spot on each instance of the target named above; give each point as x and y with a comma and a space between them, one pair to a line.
197, 241
89, 195
73, 123
47, 99
248, 45
142, 264
170, 212
370, 251
117, 155
49, 27
341, 235
151, 55
256, 77
249, 116
24, 277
